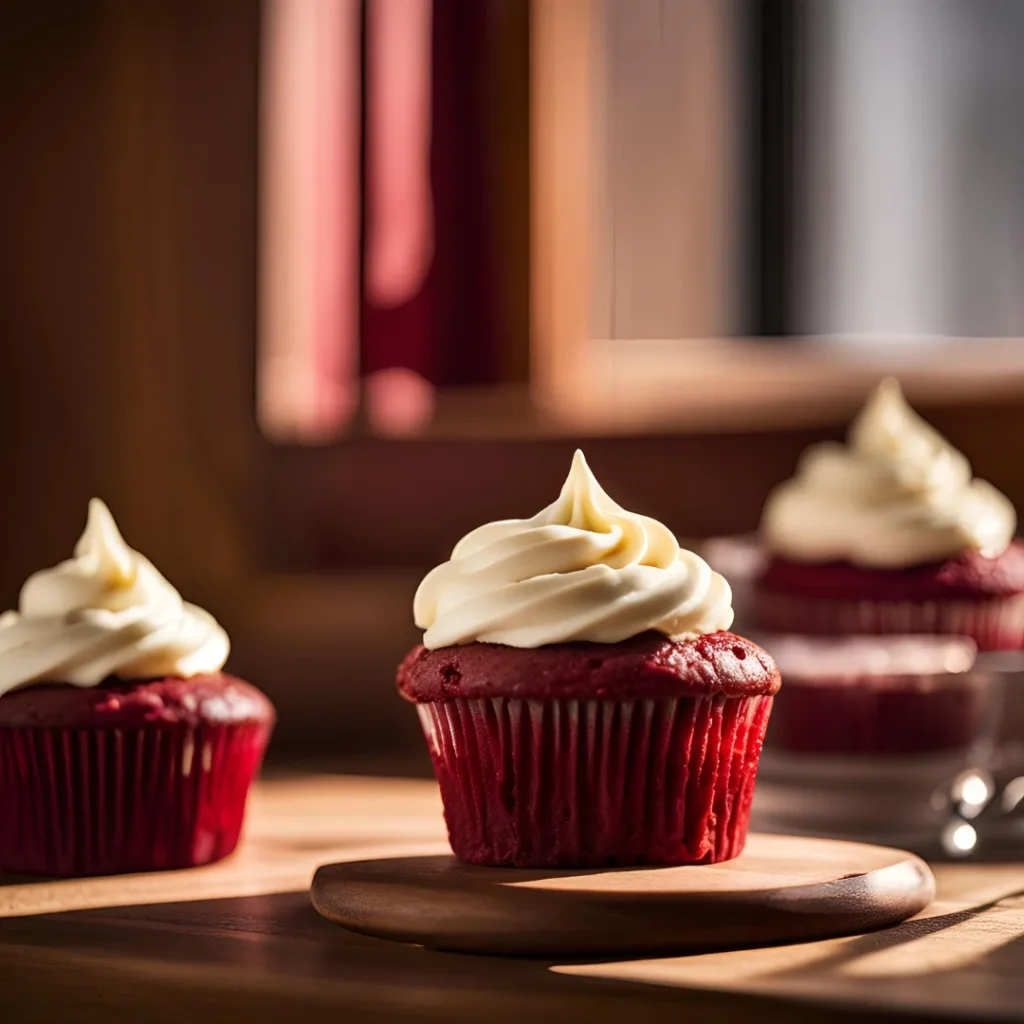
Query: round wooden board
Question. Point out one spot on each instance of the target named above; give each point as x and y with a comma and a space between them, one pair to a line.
782, 889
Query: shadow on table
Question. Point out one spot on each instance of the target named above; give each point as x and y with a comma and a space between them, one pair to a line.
915, 930
272, 958
6, 880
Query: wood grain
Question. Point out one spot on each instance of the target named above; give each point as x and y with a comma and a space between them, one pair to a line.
240, 941
958, 961
781, 889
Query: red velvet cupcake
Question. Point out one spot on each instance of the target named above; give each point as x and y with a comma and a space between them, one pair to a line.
890, 534
967, 595
581, 698
880, 697
123, 747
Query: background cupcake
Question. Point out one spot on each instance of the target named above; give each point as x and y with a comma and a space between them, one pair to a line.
582, 700
890, 533
123, 747
880, 697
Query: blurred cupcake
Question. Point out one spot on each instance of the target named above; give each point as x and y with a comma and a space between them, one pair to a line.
123, 747
889, 533
581, 698
880, 696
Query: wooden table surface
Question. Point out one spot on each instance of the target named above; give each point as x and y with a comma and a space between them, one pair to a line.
240, 941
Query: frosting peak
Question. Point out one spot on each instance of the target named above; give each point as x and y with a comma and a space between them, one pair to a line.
107, 611
103, 543
581, 569
897, 494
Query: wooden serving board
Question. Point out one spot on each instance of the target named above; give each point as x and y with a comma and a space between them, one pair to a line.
782, 889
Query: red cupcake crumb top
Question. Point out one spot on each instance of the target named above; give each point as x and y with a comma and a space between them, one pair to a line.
647, 666
968, 576
217, 699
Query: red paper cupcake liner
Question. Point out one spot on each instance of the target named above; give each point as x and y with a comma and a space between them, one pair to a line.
105, 801
994, 625
588, 783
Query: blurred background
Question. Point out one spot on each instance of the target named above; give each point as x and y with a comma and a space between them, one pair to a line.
307, 289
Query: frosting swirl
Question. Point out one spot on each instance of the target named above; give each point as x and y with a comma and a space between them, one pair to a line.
581, 569
896, 494
107, 611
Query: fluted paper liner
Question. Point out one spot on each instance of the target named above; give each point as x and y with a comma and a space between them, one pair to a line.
105, 801
581, 783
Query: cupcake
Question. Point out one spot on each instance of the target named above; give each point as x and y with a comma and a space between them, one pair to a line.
123, 746
882, 697
890, 533
582, 700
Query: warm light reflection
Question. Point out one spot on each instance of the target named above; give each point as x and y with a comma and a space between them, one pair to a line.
399, 206
309, 241
399, 215
1013, 795
960, 838
946, 949
972, 791
399, 402
926, 945
744, 969
310, 208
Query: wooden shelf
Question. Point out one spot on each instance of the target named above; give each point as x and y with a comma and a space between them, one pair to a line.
725, 385
743, 384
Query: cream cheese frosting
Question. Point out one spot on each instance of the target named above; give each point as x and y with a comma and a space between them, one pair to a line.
581, 569
105, 612
896, 494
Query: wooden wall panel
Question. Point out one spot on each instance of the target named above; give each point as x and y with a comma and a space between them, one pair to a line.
128, 190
